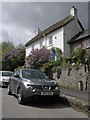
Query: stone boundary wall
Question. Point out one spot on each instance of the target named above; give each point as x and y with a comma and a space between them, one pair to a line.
76, 79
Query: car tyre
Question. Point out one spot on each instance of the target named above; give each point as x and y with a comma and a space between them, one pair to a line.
8, 90
20, 98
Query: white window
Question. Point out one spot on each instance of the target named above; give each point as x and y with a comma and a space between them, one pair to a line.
50, 40
41, 44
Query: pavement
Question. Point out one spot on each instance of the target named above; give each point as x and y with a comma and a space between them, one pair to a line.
76, 99
83, 95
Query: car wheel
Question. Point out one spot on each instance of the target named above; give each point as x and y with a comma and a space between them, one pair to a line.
20, 98
8, 90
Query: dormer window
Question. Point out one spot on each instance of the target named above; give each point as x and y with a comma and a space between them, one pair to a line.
50, 40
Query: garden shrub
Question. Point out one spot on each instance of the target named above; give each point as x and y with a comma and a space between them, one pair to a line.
13, 59
79, 54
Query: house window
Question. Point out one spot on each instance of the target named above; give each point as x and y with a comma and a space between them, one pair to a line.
41, 44
50, 40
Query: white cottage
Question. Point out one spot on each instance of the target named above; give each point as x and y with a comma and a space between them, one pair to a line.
57, 35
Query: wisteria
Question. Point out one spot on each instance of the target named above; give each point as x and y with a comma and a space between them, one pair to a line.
13, 59
37, 57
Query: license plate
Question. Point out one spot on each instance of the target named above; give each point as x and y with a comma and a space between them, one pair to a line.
46, 93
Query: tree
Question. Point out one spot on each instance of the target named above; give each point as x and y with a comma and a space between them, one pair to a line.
6, 46
13, 59
37, 57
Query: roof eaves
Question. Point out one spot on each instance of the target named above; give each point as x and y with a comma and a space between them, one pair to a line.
80, 25
34, 39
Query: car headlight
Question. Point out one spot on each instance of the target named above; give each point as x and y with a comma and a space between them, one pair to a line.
57, 88
28, 84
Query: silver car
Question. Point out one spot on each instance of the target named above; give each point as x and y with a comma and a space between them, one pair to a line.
4, 77
28, 83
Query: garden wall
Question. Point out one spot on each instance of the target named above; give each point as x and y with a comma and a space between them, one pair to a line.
75, 78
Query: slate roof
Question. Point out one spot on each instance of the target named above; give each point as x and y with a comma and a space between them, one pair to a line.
80, 36
55, 26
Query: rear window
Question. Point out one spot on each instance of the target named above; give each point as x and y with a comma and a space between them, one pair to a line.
7, 73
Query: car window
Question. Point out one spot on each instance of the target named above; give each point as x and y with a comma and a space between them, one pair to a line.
33, 74
7, 73
17, 72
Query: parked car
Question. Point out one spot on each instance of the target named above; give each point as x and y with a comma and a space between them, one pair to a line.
4, 78
27, 83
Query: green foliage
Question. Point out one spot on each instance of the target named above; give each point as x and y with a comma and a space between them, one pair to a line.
6, 46
79, 54
47, 65
58, 62
58, 53
58, 69
47, 68
65, 62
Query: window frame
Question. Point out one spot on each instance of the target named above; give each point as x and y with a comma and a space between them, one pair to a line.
50, 40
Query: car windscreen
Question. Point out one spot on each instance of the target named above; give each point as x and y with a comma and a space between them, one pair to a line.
35, 74
7, 73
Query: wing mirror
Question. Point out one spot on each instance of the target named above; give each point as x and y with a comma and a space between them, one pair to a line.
16, 75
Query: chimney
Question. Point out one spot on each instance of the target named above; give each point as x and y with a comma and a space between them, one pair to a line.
73, 11
39, 31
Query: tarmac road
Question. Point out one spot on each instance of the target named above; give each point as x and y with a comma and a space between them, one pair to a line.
11, 109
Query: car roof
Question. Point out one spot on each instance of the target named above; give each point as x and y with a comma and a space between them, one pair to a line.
26, 69
6, 71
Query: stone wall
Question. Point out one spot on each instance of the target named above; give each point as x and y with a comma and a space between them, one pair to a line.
77, 79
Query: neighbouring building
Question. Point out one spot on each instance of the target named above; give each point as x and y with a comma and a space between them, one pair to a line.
63, 35
82, 39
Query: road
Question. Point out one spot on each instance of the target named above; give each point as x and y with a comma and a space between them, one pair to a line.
11, 109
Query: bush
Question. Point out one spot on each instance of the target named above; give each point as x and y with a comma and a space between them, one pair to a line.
79, 54
58, 53
37, 57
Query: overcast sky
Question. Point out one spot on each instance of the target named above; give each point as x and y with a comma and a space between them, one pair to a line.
20, 20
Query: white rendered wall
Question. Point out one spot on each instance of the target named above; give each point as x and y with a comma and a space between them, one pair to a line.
57, 36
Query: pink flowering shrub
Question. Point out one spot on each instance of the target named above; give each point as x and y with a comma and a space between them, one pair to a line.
37, 57
13, 59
